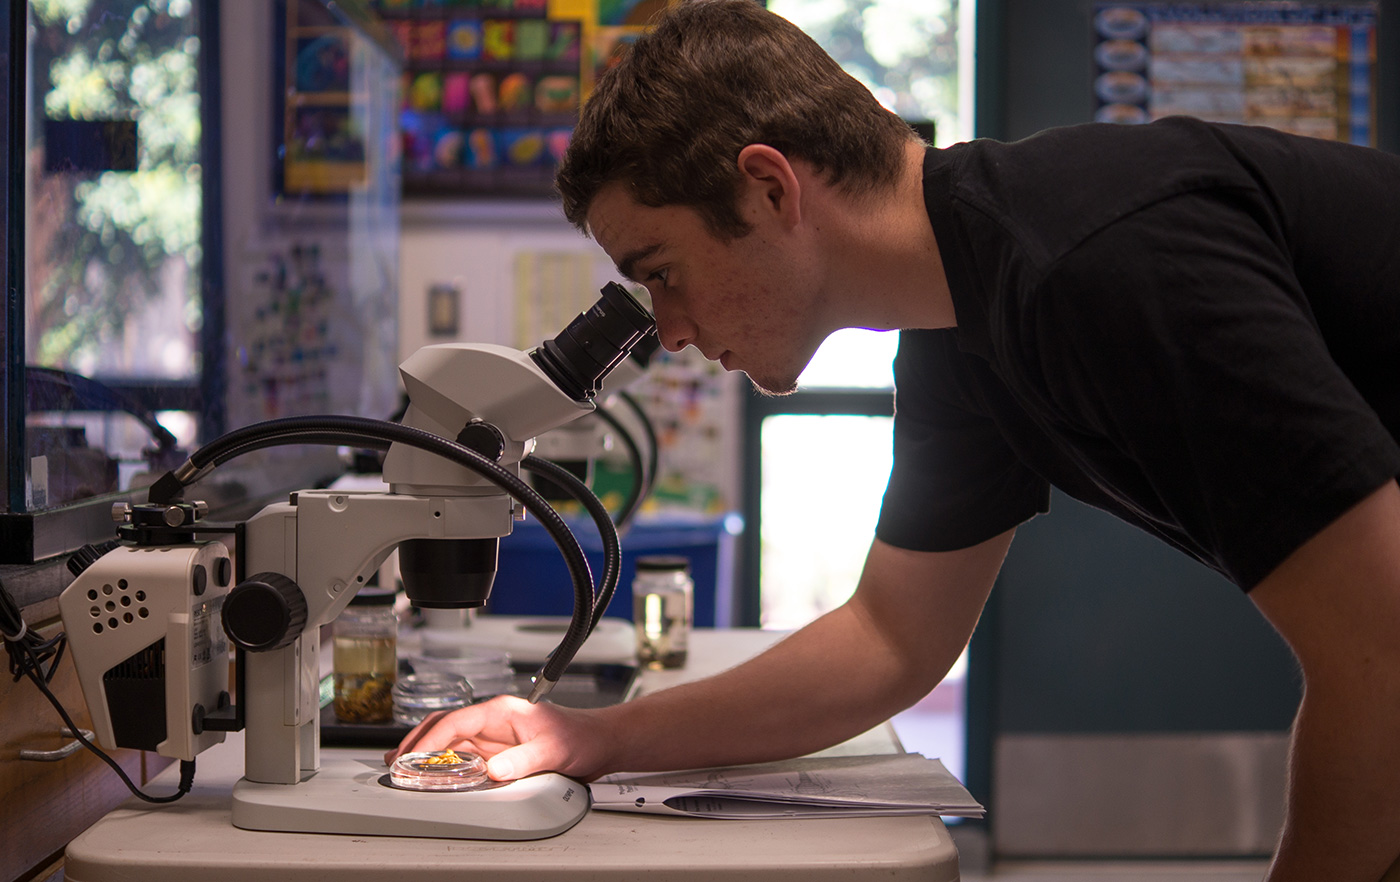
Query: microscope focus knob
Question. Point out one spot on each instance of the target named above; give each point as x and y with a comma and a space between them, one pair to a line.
264, 612
484, 438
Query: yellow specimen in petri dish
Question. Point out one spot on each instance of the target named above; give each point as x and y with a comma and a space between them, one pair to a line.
439, 770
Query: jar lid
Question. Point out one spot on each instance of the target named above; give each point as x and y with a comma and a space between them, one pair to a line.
371, 597
663, 563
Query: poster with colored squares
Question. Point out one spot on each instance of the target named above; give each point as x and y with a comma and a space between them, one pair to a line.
492, 88
491, 92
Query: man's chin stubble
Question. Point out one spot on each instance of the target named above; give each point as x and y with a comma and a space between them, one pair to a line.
767, 391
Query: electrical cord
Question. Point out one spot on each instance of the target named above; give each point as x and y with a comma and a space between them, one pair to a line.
546, 515
612, 546
28, 653
635, 494
377, 433
59, 390
653, 443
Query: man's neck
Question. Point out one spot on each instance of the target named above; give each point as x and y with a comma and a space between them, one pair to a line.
887, 269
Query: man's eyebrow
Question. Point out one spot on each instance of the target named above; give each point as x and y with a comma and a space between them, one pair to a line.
628, 263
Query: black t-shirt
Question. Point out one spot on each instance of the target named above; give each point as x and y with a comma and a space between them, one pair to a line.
1194, 327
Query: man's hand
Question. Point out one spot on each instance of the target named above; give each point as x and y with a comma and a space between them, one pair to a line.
516, 738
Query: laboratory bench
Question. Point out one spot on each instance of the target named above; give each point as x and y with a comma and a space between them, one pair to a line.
195, 837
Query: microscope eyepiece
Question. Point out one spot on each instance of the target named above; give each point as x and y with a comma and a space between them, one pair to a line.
593, 344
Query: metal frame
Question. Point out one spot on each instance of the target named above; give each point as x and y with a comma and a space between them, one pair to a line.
12, 257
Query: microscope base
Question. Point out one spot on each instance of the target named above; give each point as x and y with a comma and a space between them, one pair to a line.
346, 797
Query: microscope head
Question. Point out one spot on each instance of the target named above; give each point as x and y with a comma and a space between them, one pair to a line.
495, 400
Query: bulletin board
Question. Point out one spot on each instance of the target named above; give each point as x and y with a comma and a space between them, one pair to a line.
492, 88
1304, 68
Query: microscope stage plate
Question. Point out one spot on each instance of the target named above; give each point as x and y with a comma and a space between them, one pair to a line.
346, 797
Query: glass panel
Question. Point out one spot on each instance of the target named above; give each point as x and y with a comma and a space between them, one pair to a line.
113, 235
311, 231
136, 344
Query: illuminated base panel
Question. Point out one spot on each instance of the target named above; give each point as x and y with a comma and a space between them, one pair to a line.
352, 794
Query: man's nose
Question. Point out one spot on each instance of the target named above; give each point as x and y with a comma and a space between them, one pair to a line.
674, 331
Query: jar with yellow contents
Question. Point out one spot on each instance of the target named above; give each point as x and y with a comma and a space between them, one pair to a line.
364, 653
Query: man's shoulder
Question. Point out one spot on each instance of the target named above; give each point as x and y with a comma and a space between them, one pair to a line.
1071, 169
1036, 199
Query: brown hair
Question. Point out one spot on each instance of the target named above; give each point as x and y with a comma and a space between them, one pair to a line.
710, 78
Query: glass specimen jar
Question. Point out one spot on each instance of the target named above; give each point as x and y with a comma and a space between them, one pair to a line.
364, 656
662, 609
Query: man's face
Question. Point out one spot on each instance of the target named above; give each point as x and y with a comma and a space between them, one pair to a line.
748, 303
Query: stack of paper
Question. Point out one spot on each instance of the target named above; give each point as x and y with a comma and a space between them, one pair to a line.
810, 787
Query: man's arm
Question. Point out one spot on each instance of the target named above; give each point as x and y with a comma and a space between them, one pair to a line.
1336, 600
906, 624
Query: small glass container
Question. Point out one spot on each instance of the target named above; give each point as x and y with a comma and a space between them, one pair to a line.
438, 770
662, 610
425, 692
364, 656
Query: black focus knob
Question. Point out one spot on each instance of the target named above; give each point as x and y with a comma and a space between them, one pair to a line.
264, 612
88, 555
484, 438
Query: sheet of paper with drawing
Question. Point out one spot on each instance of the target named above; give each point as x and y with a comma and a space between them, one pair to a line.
809, 787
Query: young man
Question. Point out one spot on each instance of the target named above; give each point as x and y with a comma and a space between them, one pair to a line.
1194, 327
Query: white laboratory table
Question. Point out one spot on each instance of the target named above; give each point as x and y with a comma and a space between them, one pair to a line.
195, 838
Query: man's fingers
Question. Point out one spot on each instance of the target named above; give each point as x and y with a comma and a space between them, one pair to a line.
407, 742
515, 737
439, 730
523, 759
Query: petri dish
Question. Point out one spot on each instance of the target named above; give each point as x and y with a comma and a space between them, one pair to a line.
420, 694
439, 770
488, 672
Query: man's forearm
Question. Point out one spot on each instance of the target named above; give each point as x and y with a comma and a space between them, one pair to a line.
1343, 819
1336, 600
844, 673
828, 682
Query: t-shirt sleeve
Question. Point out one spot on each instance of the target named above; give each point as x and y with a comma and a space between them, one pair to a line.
1204, 390
955, 482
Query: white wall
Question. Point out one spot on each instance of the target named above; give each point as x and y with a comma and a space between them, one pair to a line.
474, 247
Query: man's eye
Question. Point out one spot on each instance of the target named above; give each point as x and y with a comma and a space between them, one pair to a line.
659, 276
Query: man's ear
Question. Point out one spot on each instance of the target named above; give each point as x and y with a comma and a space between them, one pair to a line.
770, 184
